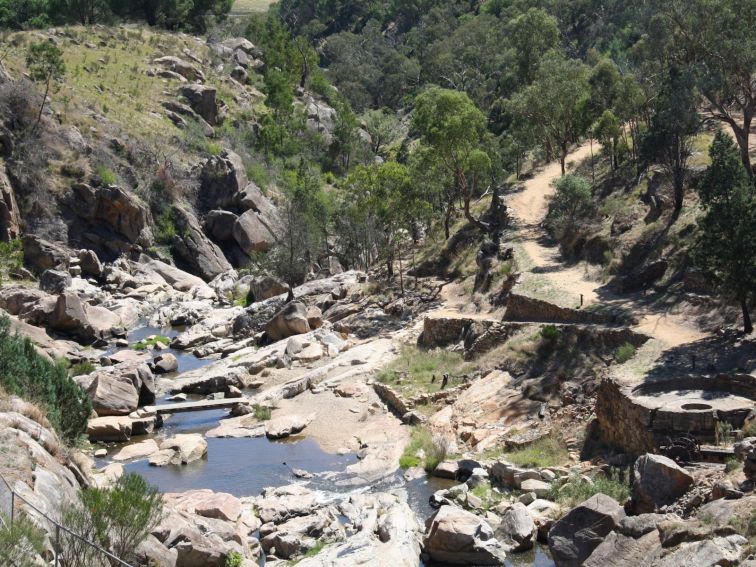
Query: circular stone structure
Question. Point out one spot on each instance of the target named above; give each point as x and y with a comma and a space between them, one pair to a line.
643, 417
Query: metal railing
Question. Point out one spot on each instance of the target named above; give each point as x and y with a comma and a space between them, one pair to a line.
8, 499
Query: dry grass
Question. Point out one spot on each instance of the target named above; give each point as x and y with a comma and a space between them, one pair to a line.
411, 373
248, 6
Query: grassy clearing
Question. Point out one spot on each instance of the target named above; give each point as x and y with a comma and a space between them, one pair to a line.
151, 343
82, 368
577, 490
423, 450
546, 452
412, 372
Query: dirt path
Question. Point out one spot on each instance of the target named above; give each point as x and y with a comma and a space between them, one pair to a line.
529, 207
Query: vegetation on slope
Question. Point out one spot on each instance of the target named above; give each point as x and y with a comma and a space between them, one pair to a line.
25, 373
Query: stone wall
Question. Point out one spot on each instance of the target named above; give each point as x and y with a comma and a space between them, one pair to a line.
622, 423
522, 308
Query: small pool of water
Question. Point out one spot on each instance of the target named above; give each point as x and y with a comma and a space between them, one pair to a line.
186, 360
243, 467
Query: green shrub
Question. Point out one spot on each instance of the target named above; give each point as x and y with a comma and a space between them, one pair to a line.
118, 518
82, 368
262, 413
107, 176
233, 559
11, 257
151, 343
625, 353
551, 333
572, 203
165, 226
422, 442
214, 148
577, 490
732, 465
749, 429
20, 542
546, 452
25, 373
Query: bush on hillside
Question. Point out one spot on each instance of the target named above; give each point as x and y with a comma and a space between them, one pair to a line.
25, 373
118, 518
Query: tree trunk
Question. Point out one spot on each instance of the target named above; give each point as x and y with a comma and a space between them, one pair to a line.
742, 135
44, 101
563, 158
747, 323
447, 219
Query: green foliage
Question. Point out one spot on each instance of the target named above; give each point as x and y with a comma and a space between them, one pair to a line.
553, 106
423, 450
234, 559
550, 333
145, 344
118, 518
726, 247
82, 368
732, 465
20, 542
25, 373
533, 34
624, 353
546, 452
571, 203
107, 176
45, 61
165, 227
417, 367
262, 413
11, 257
577, 490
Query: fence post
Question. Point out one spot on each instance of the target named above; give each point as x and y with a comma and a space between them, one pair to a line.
57, 544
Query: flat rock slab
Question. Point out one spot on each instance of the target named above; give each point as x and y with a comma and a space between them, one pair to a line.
282, 427
137, 451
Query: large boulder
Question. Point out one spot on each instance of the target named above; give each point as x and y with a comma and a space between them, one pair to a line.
10, 220
110, 429
70, 317
41, 255
573, 538
282, 427
220, 225
118, 390
517, 529
180, 450
289, 321
458, 537
176, 278
195, 250
54, 281
265, 287
658, 481
90, 263
222, 179
204, 101
252, 233
183, 68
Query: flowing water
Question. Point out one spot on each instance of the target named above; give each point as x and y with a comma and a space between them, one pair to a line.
244, 467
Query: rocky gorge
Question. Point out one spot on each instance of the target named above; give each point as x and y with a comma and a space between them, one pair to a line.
468, 398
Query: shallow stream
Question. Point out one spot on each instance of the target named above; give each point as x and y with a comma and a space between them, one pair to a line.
244, 467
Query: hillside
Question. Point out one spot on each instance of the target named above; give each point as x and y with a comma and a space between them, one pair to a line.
377, 283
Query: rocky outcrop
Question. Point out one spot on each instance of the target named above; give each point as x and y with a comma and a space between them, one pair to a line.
194, 250
458, 537
658, 481
252, 234
10, 219
573, 538
181, 67
176, 278
54, 281
108, 220
291, 320
41, 255
204, 101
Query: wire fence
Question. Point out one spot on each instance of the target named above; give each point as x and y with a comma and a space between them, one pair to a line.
59, 534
